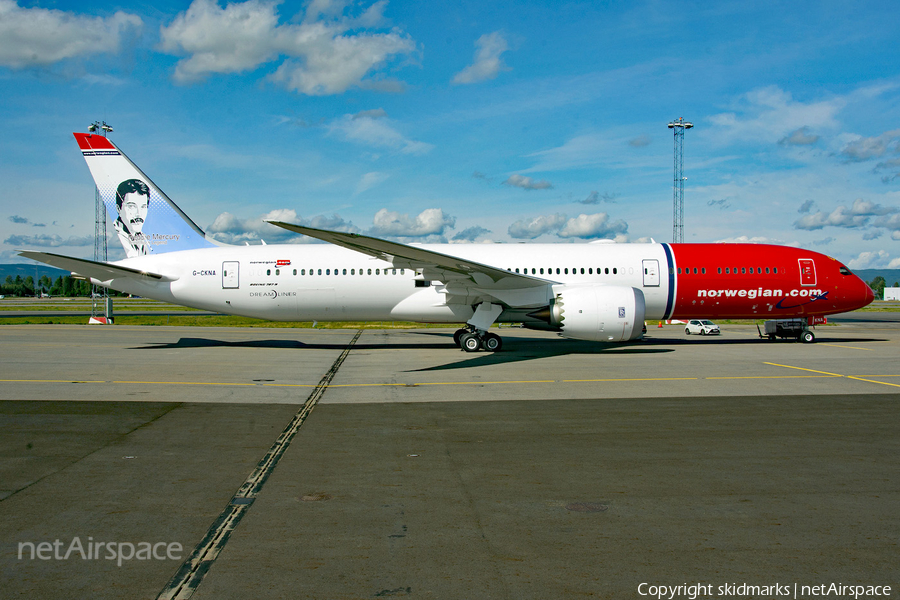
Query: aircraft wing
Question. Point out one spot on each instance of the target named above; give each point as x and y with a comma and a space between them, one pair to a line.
462, 276
92, 269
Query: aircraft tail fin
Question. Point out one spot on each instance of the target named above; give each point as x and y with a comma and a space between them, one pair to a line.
145, 220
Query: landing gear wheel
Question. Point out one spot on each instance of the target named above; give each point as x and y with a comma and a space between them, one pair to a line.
457, 336
470, 342
807, 337
492, 342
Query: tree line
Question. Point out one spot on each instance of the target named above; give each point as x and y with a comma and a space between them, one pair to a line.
878, 284
63, 286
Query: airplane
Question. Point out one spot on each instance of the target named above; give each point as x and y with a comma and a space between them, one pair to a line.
598, 291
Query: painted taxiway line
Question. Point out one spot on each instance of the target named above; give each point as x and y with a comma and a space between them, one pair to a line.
857, 378
816, 375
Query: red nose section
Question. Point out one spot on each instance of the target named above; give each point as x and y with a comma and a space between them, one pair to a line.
870, 295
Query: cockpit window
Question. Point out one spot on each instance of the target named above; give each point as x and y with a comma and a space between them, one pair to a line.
845, 271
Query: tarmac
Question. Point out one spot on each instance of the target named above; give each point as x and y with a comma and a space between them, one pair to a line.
298, 463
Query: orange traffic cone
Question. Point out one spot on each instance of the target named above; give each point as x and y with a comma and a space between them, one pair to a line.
660, 325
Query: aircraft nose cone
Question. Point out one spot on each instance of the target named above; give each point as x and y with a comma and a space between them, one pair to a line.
870, 295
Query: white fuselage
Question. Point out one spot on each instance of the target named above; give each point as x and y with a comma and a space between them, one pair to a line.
306, 282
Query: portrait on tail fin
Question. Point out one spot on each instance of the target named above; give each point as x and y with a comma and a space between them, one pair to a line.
132, 202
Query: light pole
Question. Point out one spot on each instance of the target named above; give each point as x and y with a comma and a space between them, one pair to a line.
678, 126
100, 252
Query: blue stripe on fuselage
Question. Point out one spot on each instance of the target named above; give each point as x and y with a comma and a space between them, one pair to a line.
670, 267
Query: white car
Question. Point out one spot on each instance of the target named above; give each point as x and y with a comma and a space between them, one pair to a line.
701, 326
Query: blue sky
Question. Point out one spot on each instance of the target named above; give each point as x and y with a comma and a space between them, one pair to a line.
464, 121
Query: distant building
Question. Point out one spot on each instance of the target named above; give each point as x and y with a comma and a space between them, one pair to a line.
892, 293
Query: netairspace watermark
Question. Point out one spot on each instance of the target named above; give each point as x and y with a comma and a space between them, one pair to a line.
117, 551
693, 591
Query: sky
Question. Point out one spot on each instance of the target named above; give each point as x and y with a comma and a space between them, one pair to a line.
464, 121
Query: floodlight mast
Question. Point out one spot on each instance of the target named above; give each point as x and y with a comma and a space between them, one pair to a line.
678, 126
100, 295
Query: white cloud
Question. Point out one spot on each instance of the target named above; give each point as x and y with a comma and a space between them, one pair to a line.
596, 197
376, 131
432, 221
48, 241
743, 239
770, 114
488, 63
865, 148
527, 183
37, 37
230, 229
871, 260
593, 226
858, 215
470, 234
324, 55
528, 229
641, 141
800, 137
370, 180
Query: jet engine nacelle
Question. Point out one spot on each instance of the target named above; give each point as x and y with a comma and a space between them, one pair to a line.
598, 313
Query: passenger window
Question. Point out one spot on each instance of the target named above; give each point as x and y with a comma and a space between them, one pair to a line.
767, 270
567, 271
278, 271
615, 271
542, 271
295, 271
606, 271
393, 271
703, 271
743, 270
591, 271
557, 270
775, 270
268, 271
378, 271
328, 271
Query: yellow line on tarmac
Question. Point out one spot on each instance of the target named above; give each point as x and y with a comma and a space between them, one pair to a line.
841, 346
773, 377
872, 381
424, 383
838, 375
802, 369
49, 381
643, 379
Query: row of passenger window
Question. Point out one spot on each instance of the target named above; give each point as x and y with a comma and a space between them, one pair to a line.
303, 272
730, 270
564, 271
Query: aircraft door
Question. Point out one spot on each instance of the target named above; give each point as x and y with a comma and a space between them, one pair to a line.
231, 275
807, 271
651, 273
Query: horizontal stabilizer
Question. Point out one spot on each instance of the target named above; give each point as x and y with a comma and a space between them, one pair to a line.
92, 269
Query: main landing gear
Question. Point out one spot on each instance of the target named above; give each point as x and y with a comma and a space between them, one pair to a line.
473, 340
